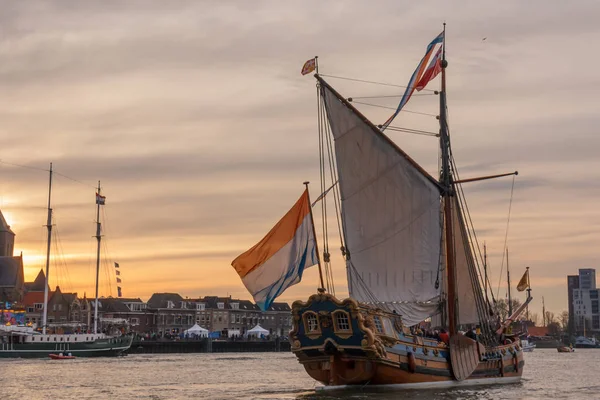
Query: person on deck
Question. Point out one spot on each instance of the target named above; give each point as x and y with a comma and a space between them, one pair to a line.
444, 337
471, 334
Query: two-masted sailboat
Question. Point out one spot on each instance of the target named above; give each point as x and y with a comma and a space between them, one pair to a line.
24, 341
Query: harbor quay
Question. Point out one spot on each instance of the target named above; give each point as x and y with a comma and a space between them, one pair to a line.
209, 345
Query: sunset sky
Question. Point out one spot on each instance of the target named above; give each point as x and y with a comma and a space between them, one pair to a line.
197, 121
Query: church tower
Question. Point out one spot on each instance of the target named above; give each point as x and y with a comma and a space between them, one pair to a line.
7, 238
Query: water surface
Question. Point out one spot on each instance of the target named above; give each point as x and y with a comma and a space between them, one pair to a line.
547, 374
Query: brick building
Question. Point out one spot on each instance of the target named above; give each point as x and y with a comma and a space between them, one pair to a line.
172, 314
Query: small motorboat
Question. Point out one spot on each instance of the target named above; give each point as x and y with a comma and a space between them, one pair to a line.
527, 347
565, 349
61, 356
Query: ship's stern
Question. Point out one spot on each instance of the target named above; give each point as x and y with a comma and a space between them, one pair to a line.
331, 341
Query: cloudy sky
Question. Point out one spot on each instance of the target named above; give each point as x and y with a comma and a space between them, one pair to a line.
198, 123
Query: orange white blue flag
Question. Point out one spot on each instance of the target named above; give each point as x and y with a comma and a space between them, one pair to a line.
279, 259
309, 66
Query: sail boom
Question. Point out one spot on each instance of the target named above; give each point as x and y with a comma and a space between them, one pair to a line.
380, 134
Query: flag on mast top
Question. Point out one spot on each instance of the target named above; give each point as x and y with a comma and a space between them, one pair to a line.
309, 66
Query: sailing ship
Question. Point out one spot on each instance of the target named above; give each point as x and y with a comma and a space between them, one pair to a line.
25, 342
411, 256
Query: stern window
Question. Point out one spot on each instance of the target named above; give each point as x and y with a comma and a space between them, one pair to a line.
311, 322
378, 326
342, 322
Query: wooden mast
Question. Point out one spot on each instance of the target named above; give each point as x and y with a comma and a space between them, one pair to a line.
448, 194
47, 283
544, 315
312, 220
98, 238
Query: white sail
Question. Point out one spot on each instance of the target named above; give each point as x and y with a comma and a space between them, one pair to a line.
467, 281
391, 215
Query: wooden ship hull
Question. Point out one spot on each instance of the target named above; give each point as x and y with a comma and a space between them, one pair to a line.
341, 344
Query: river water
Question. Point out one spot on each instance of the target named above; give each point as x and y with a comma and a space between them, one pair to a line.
547, 374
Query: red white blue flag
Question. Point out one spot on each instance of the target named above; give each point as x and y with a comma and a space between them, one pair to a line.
433, 69
415, 78
100, 199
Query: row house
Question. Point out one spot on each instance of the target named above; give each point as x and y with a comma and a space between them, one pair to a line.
278, 319
172, 314
118, 311
63, 307
230, 317
33, 301
234, 317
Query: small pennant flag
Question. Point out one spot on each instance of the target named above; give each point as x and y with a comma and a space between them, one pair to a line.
119, 293
524, 282
100, 199
322, 196
118, 272
116, 265
309, 66
118, 280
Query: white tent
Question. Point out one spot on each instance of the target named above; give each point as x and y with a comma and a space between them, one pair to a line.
257, 331
233, 332
197, 330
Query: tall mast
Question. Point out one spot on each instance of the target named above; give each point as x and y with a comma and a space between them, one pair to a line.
47, 282
528, 294
98, 238
508, 284
315, 235
544, 313
448, 194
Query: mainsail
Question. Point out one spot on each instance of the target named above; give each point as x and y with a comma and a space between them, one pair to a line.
391, 216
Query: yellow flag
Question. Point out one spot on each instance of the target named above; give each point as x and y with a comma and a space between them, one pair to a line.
524, 282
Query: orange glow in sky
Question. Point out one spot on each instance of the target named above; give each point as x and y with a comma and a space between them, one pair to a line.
201, 129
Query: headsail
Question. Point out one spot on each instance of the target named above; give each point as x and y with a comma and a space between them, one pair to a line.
467, 281
471, 307
391, 216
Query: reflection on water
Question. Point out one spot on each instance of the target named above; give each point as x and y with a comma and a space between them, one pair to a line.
547, 374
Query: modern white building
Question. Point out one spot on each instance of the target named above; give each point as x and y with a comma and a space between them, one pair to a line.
586, 301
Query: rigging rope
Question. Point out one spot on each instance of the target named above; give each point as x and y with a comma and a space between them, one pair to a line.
45, 170
471, 244
371, 82
394, 108
506, 235
393, 96
414, 131
322, 178
469, 221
